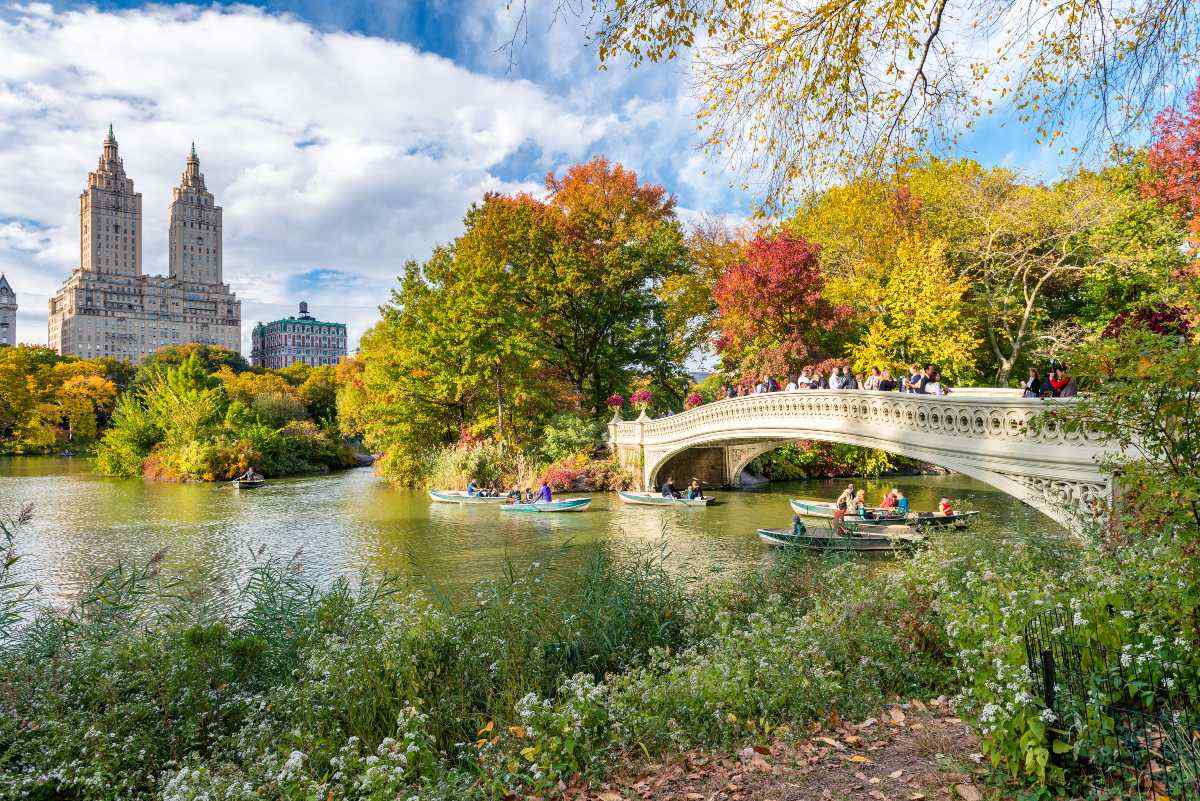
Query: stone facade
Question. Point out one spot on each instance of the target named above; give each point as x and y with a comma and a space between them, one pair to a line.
8, 313
108, 308
297, 339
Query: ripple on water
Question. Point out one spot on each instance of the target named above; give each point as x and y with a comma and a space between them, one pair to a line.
350, 522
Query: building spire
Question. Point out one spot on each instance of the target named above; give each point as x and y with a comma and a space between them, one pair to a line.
111, 136
194, 150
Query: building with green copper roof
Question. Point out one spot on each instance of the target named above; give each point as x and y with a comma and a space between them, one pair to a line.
297, 339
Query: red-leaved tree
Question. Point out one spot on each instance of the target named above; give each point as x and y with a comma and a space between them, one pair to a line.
1174, 160
772, 315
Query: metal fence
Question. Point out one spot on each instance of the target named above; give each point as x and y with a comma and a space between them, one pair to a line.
1133, 722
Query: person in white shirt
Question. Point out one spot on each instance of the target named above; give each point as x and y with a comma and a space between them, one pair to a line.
791, 384
835, 379
760, 388
872, 381
805, 380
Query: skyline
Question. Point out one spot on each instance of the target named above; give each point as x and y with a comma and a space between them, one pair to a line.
362, 140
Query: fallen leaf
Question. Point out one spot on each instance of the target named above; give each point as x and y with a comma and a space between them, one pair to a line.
896, 774
491, 724
967, 792
694, 797
609, 795
860, 758
762, 749
866, 724
833, 742
896, 715
517, 731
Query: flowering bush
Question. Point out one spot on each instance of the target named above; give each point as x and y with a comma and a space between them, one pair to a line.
615, 401
693, 400
641, 399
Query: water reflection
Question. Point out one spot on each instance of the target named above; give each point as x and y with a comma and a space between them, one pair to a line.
351, 522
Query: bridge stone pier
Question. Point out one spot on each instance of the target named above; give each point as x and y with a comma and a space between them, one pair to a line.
982, 433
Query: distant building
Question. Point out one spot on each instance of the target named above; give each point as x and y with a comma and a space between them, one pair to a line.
108, 308
8, 313
297, 339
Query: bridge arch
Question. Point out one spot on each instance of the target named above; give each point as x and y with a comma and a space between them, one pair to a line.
982, 434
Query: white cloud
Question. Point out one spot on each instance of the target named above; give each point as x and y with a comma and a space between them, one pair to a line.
328, 150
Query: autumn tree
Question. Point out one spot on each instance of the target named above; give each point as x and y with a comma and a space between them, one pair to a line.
690, 309
773, 315
917, 314
800, 92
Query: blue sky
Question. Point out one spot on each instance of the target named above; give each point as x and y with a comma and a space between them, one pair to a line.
341, 138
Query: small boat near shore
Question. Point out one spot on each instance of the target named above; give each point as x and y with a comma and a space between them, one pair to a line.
461, 497
822, 510
658, 499
827, 539
541, 507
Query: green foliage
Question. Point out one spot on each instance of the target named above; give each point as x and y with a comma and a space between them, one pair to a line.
567, 435
811, 459
211, 358
179, 423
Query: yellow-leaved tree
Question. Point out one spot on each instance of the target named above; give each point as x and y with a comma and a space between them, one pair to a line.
918, 313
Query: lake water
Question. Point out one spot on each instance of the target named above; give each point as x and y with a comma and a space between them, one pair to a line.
350, 522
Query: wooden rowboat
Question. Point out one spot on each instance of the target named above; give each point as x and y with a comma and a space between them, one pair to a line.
249, 483
830, 540
658, 499
565, 505
461, 497
820, 510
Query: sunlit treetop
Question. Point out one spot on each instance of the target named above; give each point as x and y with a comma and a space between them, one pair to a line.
803, 92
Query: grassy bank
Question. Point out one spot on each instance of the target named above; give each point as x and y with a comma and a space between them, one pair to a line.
274, 689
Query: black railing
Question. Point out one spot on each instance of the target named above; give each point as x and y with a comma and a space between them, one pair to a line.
1132, 720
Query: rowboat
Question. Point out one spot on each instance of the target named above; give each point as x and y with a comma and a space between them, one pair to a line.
565, 505
820, 510
249, 483
459, 496
829, 540
658, 499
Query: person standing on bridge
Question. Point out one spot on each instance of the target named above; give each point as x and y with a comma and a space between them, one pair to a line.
886, 382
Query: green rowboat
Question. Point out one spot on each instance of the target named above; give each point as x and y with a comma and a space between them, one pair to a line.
565, 505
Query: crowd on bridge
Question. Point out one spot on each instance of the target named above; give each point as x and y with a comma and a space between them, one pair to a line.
920, 380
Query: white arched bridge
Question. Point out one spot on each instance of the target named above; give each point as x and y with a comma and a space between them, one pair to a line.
982, 433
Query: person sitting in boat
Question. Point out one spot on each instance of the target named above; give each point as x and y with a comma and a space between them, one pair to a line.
858, 506
668, 488
544, 495
945, 508
472, 488
798, 527
249, 475
901, 501
514, 494
694, 491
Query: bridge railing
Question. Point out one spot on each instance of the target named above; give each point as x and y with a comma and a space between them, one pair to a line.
988, 414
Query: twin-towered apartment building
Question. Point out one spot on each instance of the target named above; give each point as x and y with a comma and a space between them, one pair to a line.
107, 307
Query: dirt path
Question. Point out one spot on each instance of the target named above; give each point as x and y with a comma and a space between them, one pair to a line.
911, 752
